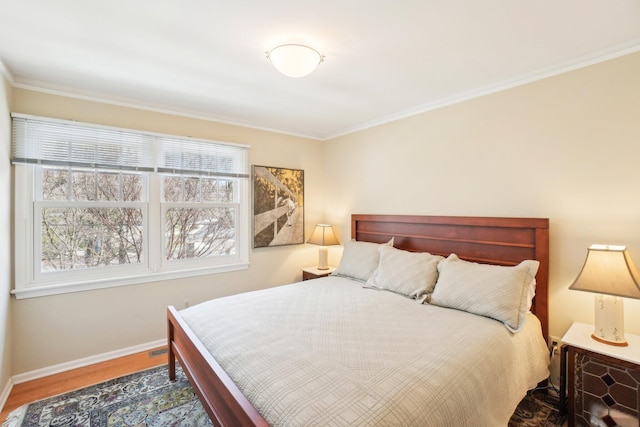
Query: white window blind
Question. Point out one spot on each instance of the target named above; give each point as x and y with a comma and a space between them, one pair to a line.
182, 156
46, 141
61, 143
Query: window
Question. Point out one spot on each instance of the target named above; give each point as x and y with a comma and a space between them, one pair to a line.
198, 217
99, 207
87, 219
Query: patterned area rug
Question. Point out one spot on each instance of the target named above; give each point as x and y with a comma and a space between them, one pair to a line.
537, 410
145, 398
148, 398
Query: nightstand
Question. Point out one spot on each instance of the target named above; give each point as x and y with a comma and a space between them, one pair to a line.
313, 272
604, 380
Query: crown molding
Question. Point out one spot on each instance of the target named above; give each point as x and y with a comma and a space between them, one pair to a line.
579, 62
42, 87
7, 75
565, 67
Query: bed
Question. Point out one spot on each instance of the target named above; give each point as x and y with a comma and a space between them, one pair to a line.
378, 370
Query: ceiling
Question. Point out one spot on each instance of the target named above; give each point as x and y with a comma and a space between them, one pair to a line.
384, 59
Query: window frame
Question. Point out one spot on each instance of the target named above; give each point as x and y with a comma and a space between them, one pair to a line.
29, 282
95, 273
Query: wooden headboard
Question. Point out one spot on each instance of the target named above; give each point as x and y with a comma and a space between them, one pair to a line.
489, 240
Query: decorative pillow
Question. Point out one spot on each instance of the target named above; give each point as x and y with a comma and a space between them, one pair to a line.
359, 259
493, 291
531, 293
413, 274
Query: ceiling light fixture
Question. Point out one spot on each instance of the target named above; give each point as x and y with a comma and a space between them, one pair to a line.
294, 60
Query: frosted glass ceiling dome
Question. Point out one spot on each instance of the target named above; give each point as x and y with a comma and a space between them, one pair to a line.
295, 60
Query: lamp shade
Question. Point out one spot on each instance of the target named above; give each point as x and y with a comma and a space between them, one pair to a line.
608, 270
323, 235
609, 273
294, 60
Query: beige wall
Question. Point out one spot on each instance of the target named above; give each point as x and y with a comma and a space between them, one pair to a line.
5, 230
566, 148
56, 329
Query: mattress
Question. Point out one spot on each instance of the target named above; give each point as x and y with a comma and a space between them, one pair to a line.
329, 352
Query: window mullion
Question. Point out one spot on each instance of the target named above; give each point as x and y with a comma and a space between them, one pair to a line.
154, 233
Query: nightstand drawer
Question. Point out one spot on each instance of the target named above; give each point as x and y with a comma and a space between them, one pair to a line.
602, 386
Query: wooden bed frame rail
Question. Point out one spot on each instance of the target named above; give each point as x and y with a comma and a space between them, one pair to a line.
221, 398
502, 241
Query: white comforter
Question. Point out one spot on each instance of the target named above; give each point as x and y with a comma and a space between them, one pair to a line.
328, 352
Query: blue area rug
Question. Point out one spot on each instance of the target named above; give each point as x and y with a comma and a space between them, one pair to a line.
145, 398
148, 398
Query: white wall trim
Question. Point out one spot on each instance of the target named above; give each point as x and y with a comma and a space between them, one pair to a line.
47, 88
7, 75
89, 285
79, 363
6, 391
575, 64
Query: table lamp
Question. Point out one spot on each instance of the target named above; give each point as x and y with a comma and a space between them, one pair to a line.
609, 272
323, 235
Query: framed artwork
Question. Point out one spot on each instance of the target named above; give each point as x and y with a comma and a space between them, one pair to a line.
278, 206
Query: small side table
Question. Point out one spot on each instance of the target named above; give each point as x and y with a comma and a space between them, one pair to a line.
603, 380
309, 273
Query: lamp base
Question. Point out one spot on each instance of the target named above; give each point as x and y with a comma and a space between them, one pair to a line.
323, 257
616, 343
609, 320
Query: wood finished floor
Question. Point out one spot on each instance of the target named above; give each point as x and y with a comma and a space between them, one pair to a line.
81, 377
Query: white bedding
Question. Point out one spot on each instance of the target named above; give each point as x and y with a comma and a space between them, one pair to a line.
329, 352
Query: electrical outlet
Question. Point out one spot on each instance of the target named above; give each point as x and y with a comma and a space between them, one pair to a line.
554, 341
554, 362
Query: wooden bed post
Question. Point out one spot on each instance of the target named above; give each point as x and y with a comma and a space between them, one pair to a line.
542, 290
171, 354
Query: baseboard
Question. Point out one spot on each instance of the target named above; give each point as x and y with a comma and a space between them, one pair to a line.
80, 363
6, 392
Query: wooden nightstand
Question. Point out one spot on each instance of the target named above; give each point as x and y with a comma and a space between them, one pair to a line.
604, 380
313, 272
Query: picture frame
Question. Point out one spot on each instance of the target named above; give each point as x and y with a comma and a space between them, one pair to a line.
277, 206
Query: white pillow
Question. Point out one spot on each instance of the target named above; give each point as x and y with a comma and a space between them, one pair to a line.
531, 293
413, 274
493, 291
359, 259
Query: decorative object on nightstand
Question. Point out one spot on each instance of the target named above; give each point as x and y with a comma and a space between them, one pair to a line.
323, 235
309, 273
603, 380
609, 272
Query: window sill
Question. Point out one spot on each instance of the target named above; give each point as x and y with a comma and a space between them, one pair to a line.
55, 289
